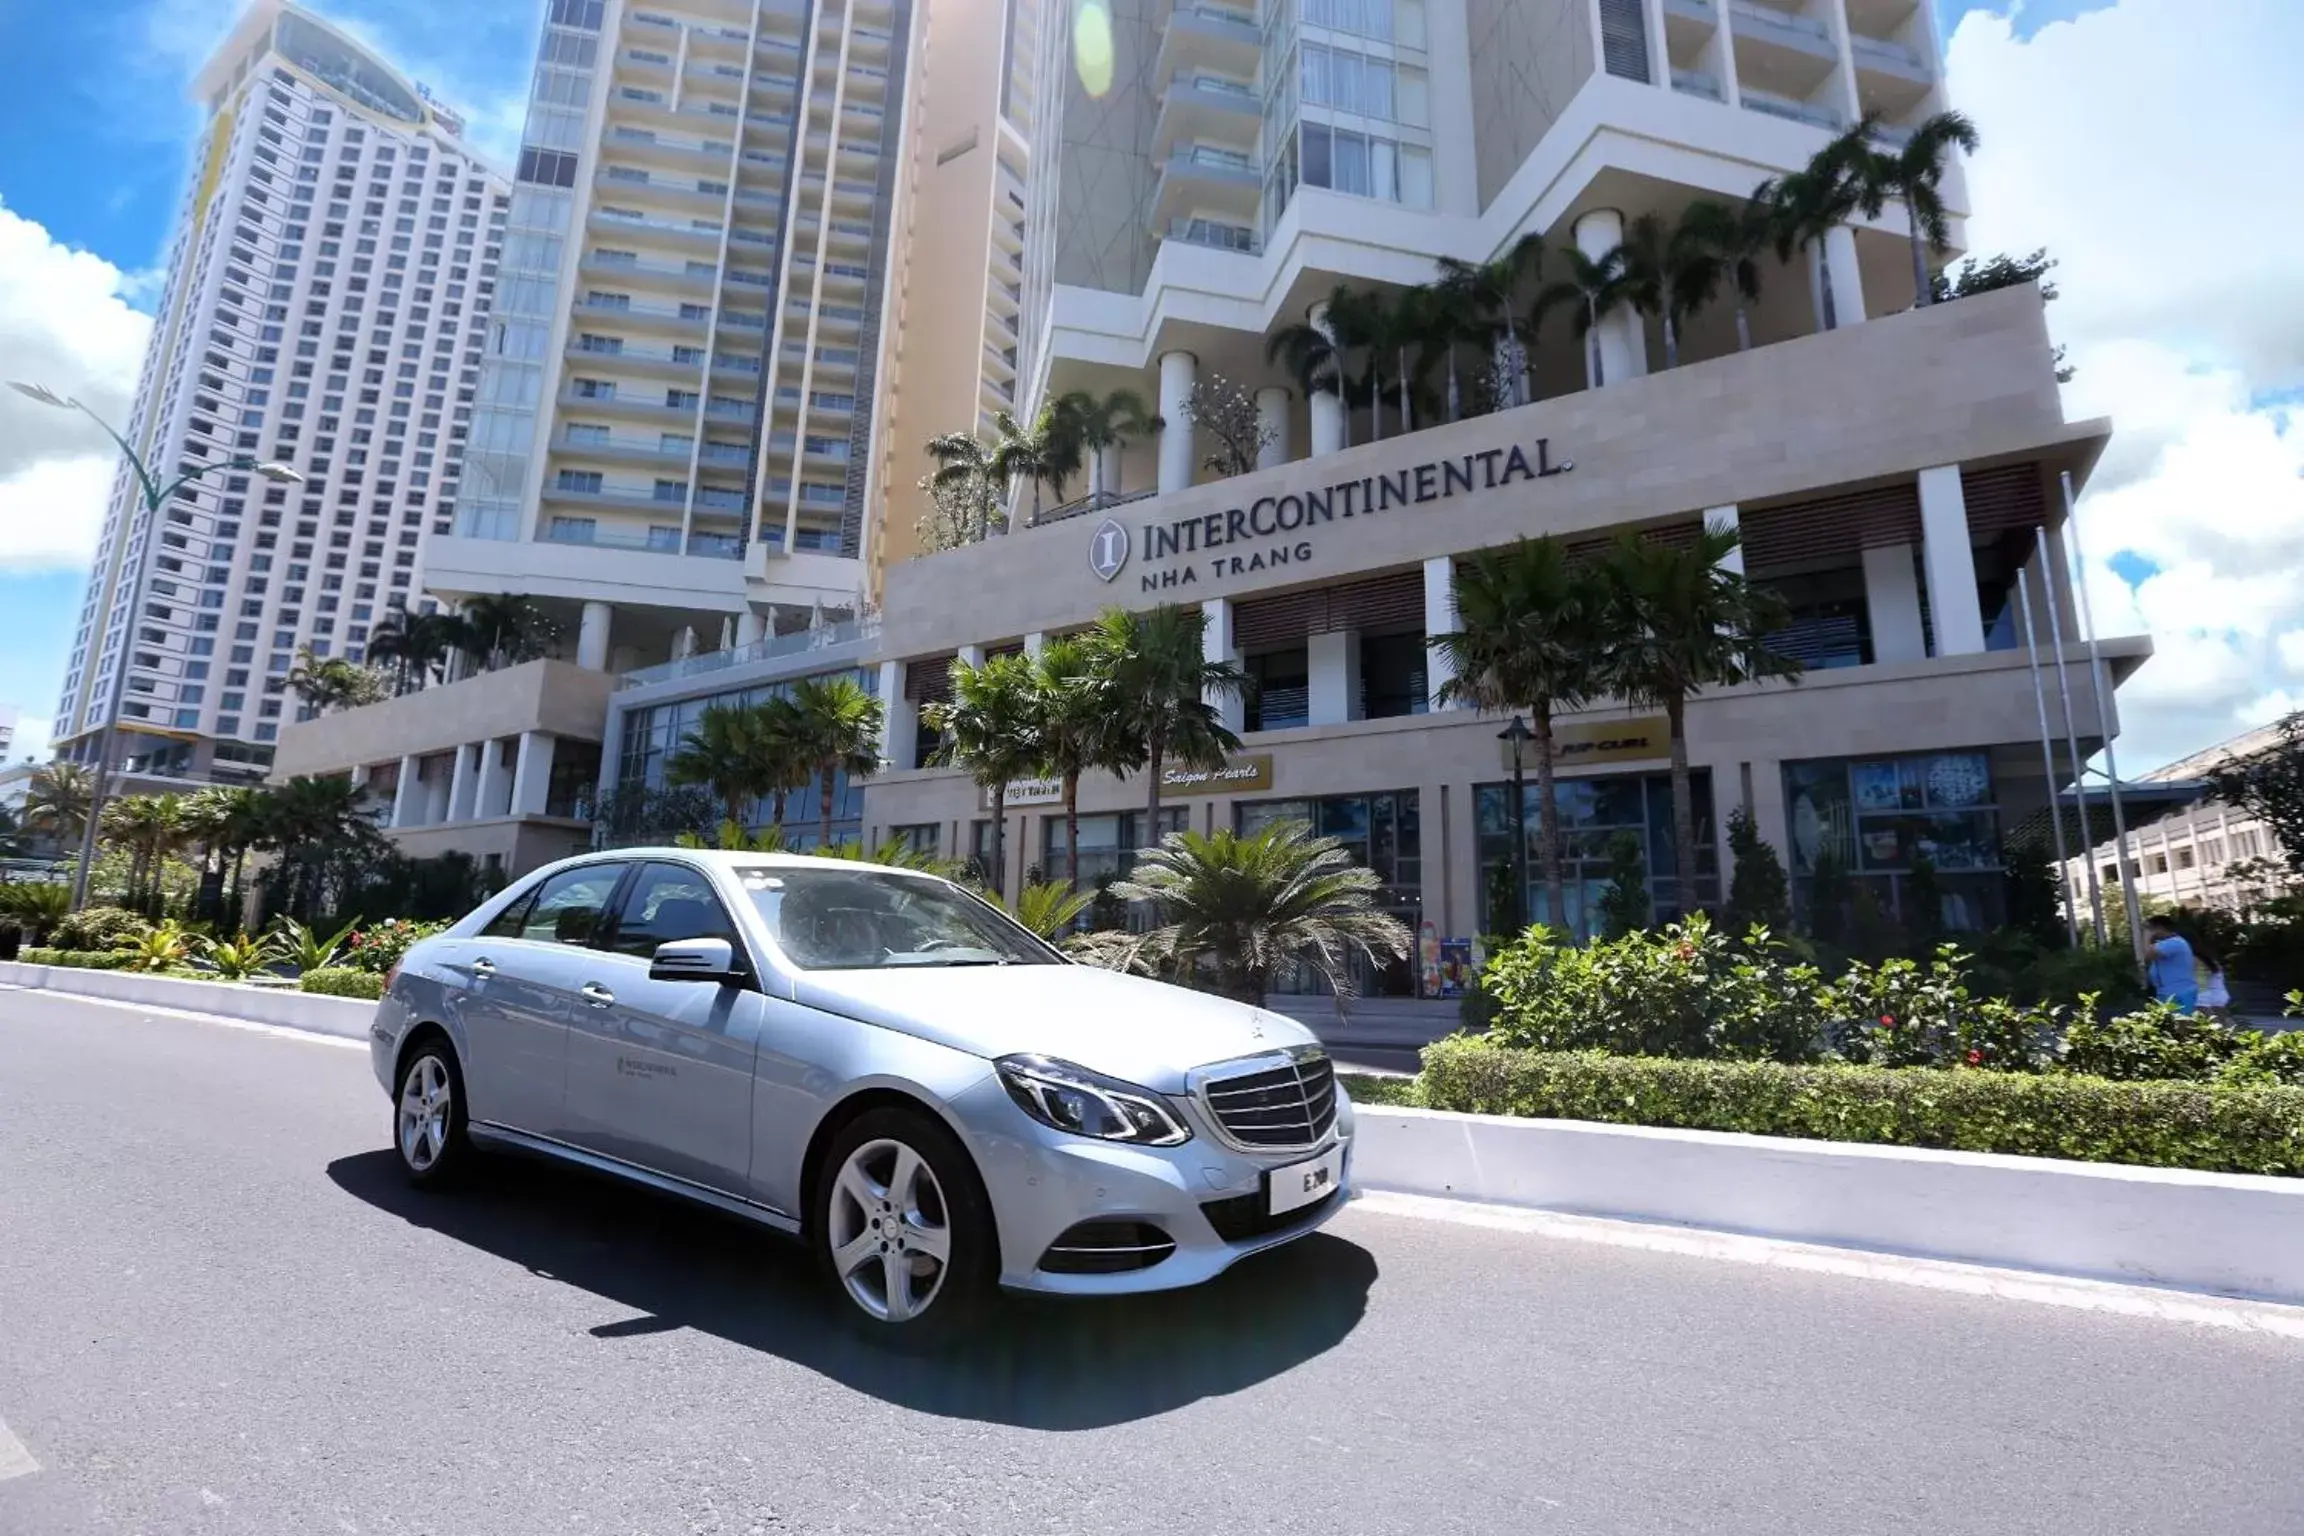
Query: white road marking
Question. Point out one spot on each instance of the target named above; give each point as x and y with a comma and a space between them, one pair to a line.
15, 1461
154, 1010
1930, 1274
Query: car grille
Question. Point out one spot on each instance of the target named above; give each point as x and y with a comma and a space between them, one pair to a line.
1291, 1106
1244, 1218
1107, 1247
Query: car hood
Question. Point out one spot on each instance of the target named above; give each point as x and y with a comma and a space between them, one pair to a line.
1145, 1031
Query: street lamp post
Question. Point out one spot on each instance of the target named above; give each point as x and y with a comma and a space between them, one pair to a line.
1516, 736
154, 495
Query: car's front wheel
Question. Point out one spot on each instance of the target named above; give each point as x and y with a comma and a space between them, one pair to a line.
428, 1115
903, 1230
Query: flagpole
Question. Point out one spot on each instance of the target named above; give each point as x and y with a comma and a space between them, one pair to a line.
2098, 680
2048, 764
2072, 740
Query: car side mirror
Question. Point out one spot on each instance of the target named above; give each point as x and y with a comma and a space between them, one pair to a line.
695, 960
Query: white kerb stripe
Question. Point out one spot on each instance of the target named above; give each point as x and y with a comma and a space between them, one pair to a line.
15, 1461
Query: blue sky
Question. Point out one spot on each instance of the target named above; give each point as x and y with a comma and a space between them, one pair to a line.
2202, 363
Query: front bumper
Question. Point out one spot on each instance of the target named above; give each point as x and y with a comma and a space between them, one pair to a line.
1044, 1183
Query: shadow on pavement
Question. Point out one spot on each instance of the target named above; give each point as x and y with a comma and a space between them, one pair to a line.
1041, 1363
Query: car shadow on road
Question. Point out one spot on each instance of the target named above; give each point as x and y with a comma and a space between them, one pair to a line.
1040, 1363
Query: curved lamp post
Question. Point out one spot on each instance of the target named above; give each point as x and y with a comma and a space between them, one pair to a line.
154, 495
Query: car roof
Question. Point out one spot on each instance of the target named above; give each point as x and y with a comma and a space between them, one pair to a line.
734, 858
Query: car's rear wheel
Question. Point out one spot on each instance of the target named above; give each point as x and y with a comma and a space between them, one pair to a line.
428, 1115
903, 1230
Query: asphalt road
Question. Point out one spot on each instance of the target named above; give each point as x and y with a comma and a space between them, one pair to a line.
221, 1311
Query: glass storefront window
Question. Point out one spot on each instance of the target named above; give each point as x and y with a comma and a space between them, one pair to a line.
652, 735
1593, 812
1380, 832
1875, 816
1108, 843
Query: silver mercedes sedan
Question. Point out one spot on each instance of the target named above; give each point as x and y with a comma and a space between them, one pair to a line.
873, 1060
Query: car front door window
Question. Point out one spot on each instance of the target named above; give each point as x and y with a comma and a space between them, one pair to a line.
669, 902
568, 906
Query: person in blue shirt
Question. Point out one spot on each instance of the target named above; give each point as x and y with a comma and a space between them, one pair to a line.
2170, 967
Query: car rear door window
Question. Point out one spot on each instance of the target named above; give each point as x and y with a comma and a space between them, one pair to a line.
568, 906
668, 902
508, 923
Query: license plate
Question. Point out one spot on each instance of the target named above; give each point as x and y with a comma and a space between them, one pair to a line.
1301, 1184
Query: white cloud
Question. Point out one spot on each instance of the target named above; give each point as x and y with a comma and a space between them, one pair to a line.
33, 734
64, 324
2151, 153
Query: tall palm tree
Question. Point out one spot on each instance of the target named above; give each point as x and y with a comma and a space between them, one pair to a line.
148, 828
1365, 326
1812, 202
1074, 725
1679, 623
1064, 448
1672, 270
836, 730
1737, 237
1255, 904
1156, 683
1021, 452
1312, 358
317, 824
1491, 291
1593, 288
964, 465
1914, 175
56, 801
1529, 637
228, 821
723, 752
990, 731
1102, 424
331, 682
780, 753
500, 629
415, 645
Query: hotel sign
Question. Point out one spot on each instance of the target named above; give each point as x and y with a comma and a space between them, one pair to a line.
1239, 775
1275, 531
1644, 738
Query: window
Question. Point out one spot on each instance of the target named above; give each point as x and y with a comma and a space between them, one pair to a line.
547, 168
666, 903
866, 920
567, 907
586, 480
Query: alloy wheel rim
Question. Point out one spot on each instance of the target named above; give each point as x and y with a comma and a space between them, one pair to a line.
424, 1103
890, 1230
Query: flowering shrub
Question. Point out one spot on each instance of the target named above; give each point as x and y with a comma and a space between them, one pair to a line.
1900, 1014
378, 947
101, 928
2156, 1041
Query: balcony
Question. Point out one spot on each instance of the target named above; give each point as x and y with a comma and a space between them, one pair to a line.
1215, 235
624, 448
1202, 175
852, 632
613, 223
1781, 52
662, 318
651, 273
1205, 107
1208, 36
1694, 82
683, 363
1756, 100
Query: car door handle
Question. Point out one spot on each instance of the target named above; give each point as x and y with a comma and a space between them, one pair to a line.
597, 995
483, 967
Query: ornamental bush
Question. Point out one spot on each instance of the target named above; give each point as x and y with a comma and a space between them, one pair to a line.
82, 959
343, 981
2214, 1127
101, 928
377, 947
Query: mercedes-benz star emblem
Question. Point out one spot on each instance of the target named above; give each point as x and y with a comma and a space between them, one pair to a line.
1108, 549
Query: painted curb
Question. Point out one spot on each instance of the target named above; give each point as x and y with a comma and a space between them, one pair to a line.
2226, 1234
345, 1017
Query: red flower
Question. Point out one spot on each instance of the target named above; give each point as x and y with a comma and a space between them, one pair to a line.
1887, 1021
1975, 1058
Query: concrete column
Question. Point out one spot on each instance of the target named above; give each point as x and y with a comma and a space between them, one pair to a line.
1035, 642
900, 733
1178, 459
1892, 596
1952, 601
1439, 619
1216, 646
404, 793
1326, 407
1104, 470
1623, 346
592, 637
751, 628
495, 794
532, 774
436, 799
1842, 276
970, 656
1770, 817
1724, 520
460, 784
1333, 660
1272, 419
684, 642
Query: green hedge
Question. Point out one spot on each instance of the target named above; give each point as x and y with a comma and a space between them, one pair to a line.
2220, 1129
343, 981
81, 959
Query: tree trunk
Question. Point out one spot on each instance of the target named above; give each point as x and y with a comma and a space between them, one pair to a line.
1671, 342
1455, 400
1000, 839
1592, 342
1518, 361
1922, 294
1683, 806
1824, 282
1548, 819
1407, 417
1743, 328
776, 808
1155, 748
1072, 830
824, 813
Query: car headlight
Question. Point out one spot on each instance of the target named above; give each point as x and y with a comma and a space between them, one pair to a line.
1085, 1103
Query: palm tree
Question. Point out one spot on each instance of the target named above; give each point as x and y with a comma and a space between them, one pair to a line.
415, 644
1363, 323
1671, 270
1311, 358
1255, 904
316, 824
228, 820
1074, 720
1530, 638
1101, 424
56, 801
781, 757
148, 828
500, 628
1156, 682
1809, 204
1679, 623
1737, 237
1490, 295
1050, 909
836, 730
1594, 286
1022, 452
964, 465
1914, 174
331, 682
724, 752
990, 730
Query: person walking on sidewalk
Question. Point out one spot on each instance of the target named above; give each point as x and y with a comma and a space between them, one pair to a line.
2170, 966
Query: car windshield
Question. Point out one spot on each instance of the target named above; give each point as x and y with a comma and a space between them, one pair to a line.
862, 919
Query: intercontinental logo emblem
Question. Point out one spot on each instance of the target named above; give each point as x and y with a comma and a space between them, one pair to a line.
1108, 550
